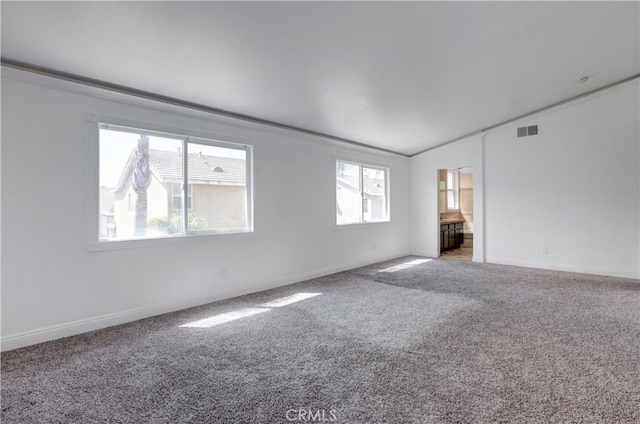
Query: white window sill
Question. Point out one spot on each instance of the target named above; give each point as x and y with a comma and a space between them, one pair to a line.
106, 245
359, 225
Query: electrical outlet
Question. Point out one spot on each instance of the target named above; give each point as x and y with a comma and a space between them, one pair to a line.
375, 246
223, 272
545, 250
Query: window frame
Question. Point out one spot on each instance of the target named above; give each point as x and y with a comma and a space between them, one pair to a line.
95, 122
387, 192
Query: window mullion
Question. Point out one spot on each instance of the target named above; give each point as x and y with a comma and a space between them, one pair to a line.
361, 193
249, 187
185, 185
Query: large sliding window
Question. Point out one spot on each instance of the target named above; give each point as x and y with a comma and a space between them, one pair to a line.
362, 193
155, 184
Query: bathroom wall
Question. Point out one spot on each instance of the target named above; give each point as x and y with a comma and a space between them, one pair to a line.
466, 198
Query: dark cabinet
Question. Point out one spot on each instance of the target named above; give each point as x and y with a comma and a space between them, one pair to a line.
451, 236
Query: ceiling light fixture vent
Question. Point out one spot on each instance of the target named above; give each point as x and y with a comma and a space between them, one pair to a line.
526, 131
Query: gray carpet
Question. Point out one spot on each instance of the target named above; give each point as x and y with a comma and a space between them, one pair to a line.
441, 341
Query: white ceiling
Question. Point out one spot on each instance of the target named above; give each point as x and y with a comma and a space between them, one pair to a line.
401, 76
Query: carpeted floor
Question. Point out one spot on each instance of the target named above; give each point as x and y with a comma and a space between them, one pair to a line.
412, 340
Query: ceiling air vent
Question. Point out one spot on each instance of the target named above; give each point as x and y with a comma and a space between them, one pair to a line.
525, 131
522, 132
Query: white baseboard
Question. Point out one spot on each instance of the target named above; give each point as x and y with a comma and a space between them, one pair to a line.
543, 265
58, 331
567, 268
424, 253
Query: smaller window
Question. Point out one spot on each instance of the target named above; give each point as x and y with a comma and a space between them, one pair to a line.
361, 193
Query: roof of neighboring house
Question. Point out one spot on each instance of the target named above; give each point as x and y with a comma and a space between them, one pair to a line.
372, 186
203, 169
168, 166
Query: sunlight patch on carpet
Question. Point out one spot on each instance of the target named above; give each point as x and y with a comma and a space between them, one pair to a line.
226, 317
247, 312
405, 265
287, 300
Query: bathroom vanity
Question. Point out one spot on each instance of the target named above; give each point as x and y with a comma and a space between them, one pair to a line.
451, 234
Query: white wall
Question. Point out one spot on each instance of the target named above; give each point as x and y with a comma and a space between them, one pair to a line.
573, 189
52, 286
425, 217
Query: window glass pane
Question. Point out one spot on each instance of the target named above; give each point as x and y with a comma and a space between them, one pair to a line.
217, 188
348, 193
451, 199
374, 191
177, 195
361, 193
450, 179
136, 176
452, 189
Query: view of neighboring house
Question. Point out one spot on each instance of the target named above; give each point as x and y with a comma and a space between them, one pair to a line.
216, 193
373, 197
106, 211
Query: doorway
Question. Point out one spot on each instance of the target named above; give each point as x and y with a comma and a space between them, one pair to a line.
455, 206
